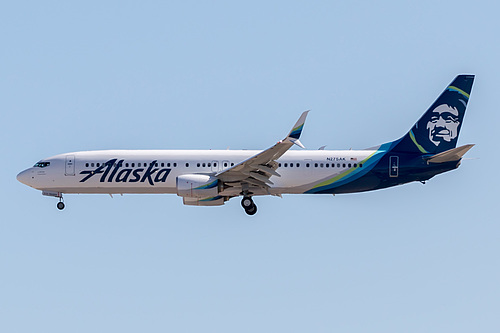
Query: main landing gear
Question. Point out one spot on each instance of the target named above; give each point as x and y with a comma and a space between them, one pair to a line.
248, 205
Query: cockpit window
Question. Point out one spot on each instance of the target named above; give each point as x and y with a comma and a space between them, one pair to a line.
42, 164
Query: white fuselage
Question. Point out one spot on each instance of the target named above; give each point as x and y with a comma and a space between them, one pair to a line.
131, 170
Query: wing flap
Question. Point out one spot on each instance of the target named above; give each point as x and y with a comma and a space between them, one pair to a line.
265, 169
261, 177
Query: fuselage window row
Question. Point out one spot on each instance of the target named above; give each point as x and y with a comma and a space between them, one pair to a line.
92, 165
162, 164
203, 165
321, 165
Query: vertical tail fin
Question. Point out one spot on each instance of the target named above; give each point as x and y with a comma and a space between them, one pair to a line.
438, 129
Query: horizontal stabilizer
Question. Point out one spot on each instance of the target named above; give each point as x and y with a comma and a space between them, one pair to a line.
451, 155
298, 143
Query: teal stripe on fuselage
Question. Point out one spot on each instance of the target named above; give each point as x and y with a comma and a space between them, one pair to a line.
354, 173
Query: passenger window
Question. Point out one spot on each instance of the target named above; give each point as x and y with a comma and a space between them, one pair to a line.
187, 165
133, 165
297, 165
126, 165
175, 165
315, 165
355, 165
86, 165
286, 165
168, 165
327, 165
307, 165
338, 165
215, 164
279, 165
162, 164
360, 165
92, 165
225, 164
343, 165
209, 165
349, 165
232, 164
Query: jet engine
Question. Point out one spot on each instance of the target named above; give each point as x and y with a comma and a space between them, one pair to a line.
212, 201
197, 186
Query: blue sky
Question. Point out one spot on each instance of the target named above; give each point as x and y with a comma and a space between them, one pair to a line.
185, 75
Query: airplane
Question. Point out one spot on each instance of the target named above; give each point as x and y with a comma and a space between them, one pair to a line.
212, 177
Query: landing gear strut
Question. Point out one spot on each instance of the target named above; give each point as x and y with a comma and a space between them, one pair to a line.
60, 204
248, 205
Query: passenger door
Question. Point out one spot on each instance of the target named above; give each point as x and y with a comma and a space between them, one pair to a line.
70, 165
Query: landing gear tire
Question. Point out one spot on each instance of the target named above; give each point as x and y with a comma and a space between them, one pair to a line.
248, 205
247, 202
60, 205
252, 210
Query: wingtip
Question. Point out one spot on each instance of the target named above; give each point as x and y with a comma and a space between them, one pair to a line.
297, 128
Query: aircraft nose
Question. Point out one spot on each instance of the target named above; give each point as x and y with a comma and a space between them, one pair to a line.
24, 177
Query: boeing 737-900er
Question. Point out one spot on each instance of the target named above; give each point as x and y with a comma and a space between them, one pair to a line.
212, 177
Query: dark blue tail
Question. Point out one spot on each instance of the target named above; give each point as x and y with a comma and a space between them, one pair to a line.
438, 129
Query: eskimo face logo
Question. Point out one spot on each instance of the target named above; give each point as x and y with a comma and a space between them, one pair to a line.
443, 125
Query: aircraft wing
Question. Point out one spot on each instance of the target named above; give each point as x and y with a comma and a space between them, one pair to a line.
257, 169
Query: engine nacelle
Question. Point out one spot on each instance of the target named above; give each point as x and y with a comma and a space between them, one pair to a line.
197, 186
215, 201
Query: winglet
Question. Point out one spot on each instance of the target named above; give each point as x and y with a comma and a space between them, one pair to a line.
294, 134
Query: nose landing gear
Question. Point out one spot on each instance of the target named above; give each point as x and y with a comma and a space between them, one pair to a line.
60, 205
248, 205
